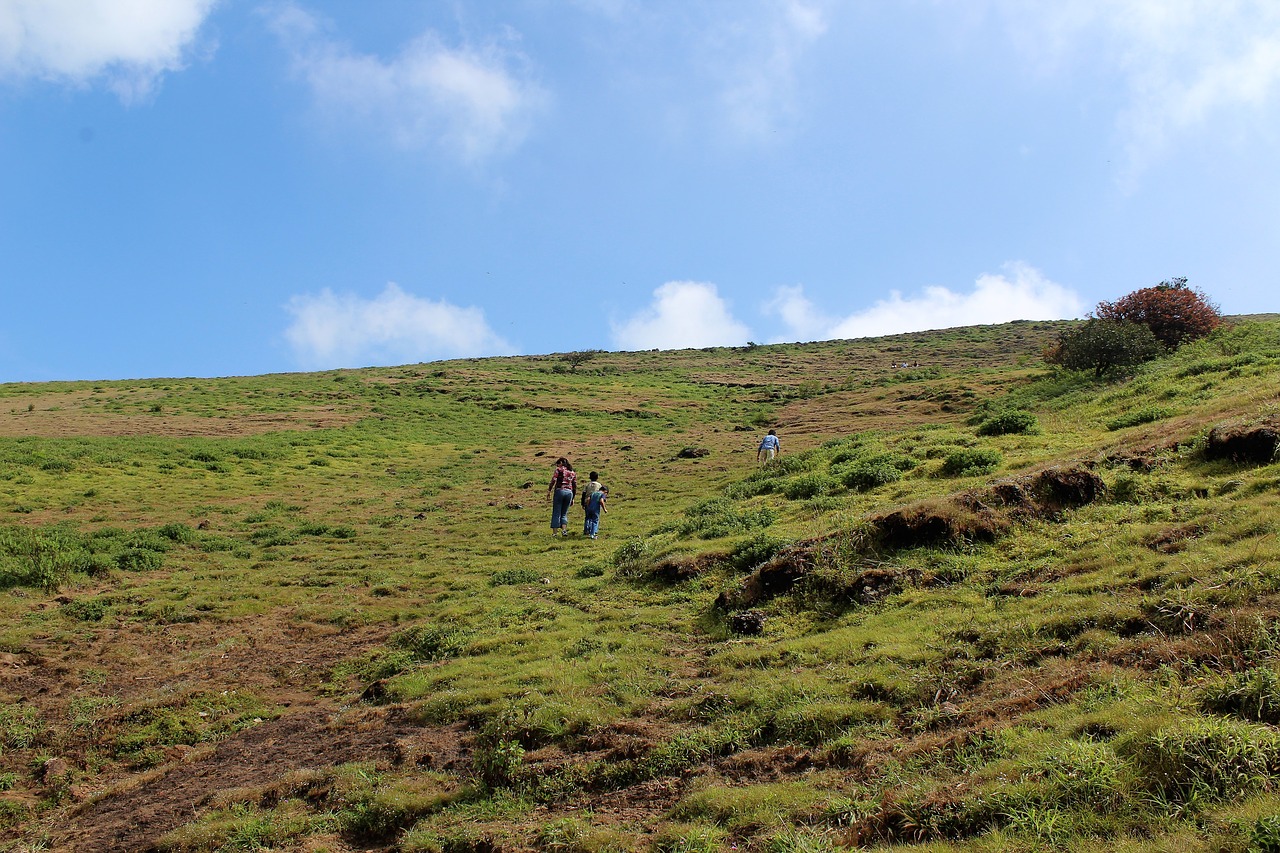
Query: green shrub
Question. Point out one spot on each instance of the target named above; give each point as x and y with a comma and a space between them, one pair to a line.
799, 841
512, 577
631, 553
689, 838
1264, 835
270, 536
430, 642
1145, 415
177, 532
1105, 347
971, 462
20, 727
1208, 755
865, 476
86, 610
12, 812
1252, 695
499, 764
590, 570
44, 558
1010, 423
1082, 773
807, 486
316, 529
754, 551
139, 560
716, 517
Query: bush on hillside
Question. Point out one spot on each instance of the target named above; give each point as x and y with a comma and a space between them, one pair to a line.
716, 517
868, 475
971, 462
754, 551
1145, 415
1174, 312
1009, 423
1105, 347
807, 486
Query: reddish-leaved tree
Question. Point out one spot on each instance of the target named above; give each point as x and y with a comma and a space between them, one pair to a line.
1174, 312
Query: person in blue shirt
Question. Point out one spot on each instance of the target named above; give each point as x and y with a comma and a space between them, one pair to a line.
769, 448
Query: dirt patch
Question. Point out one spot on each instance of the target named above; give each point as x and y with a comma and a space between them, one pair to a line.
85, 413
1171, 540
684, 567
270, 654
139, 668
136, 816
87, 424
941, 522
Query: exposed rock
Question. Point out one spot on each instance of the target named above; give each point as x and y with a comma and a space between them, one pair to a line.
54, 770
747, 622
681, 568
981, 515
1254, 445
692, 453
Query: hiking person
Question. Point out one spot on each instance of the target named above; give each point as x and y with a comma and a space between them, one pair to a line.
769, 447
593, 485
564, 484
592, 505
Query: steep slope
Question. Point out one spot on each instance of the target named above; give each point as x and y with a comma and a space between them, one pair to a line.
974, 603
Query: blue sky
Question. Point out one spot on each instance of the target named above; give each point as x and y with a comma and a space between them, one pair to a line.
229, 187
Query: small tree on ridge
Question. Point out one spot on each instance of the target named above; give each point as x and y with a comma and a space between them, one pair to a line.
1104, 346
1174, 312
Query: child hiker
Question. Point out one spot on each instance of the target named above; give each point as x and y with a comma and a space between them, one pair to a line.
592, 506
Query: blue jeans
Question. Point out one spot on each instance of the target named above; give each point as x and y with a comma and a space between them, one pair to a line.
560, 508
591, 524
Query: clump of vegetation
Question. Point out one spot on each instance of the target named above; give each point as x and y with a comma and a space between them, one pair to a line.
866, 475
1174, 312
1135, 329
756, 550
717, 517
808, 485
1144, 415
509, 577
1009, 423
970, 462
1251, 695
1107, 347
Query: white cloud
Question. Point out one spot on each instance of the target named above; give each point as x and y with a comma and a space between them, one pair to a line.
344, 330
129, 44
1183, 64
683, 314
1022, 293
470, 101
758, 59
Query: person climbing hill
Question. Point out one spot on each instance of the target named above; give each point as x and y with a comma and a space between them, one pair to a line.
769, 447
564, 485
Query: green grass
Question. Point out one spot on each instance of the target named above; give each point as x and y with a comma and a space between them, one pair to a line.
1095, 674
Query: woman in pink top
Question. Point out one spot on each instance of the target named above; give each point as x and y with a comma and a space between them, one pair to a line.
564, 483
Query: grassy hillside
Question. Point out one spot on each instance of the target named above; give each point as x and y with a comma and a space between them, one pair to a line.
976, 604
